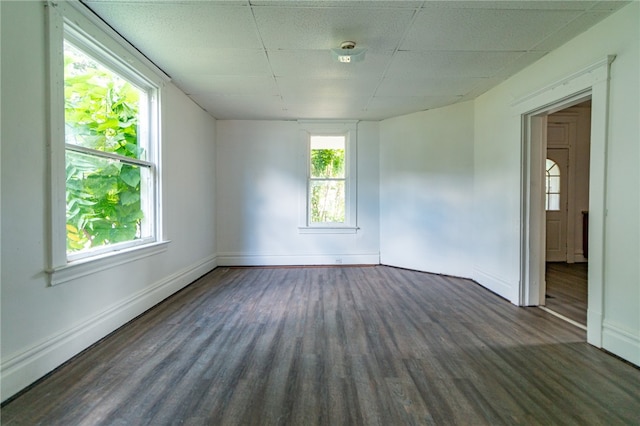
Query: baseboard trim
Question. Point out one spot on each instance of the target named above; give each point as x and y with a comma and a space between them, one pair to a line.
594, 327
22, 369
242, 259
621, 342
495, 284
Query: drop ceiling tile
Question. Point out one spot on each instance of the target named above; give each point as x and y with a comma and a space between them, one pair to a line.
482, 86
226, 84
417, 65
391, 87
318, 88
515, 4
571, 30
328, 108
217, 2
340, 3
202, 60
610, 5
325, 28
159, 27
482, 29
519, 64
248, 107
319, 63
394, 106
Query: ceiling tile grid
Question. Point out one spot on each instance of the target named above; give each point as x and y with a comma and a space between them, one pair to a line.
271, 59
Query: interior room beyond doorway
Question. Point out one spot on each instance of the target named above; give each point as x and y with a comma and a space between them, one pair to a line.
567, 212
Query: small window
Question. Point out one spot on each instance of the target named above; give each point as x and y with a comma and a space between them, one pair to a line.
327, 180
552, 198
330, 199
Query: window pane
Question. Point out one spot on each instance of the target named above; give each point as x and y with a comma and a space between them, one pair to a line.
327, 201
553, 202
101, 108
553, 184
104, 203
327, 156
549, 164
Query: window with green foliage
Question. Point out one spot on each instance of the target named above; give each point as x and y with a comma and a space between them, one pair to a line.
109, 175
327, 179
103, 148
329, 204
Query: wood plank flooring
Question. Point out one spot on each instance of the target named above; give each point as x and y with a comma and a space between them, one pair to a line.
336, 346
567, 290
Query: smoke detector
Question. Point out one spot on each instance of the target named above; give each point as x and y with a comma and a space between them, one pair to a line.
348, 45
348, 53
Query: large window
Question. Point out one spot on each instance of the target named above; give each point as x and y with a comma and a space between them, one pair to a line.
104, 144
109, 180
331, 177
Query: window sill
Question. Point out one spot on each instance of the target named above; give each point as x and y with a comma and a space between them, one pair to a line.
83, 267
327, 229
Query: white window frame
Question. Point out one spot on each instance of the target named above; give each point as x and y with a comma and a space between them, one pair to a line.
73, 21
348, 129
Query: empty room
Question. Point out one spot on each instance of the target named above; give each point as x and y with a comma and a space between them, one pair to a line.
319, 212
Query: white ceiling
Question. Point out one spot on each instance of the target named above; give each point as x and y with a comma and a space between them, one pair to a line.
267, 59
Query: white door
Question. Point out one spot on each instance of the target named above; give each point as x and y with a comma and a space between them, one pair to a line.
556, 203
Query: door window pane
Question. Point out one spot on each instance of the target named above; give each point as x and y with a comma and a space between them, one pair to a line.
552, 197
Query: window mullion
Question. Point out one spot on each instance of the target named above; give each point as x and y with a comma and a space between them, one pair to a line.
109, 155
327, 179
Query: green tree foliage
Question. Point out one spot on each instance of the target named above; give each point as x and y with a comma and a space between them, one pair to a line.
327, 196
327, 163
103, 195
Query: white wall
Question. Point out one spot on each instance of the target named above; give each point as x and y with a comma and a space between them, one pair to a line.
261, 181
43, 326
426, 190
497, 154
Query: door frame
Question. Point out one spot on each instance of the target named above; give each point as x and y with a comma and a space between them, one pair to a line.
592, 82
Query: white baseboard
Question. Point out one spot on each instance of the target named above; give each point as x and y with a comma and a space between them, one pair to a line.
243, 259
621, 342
594, 327
496, 284
24, 368
578, 257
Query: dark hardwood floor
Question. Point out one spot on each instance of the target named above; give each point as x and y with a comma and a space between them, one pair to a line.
336, 346
567, 290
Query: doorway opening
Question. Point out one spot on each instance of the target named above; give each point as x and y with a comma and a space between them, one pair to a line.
590, 83
566, 210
